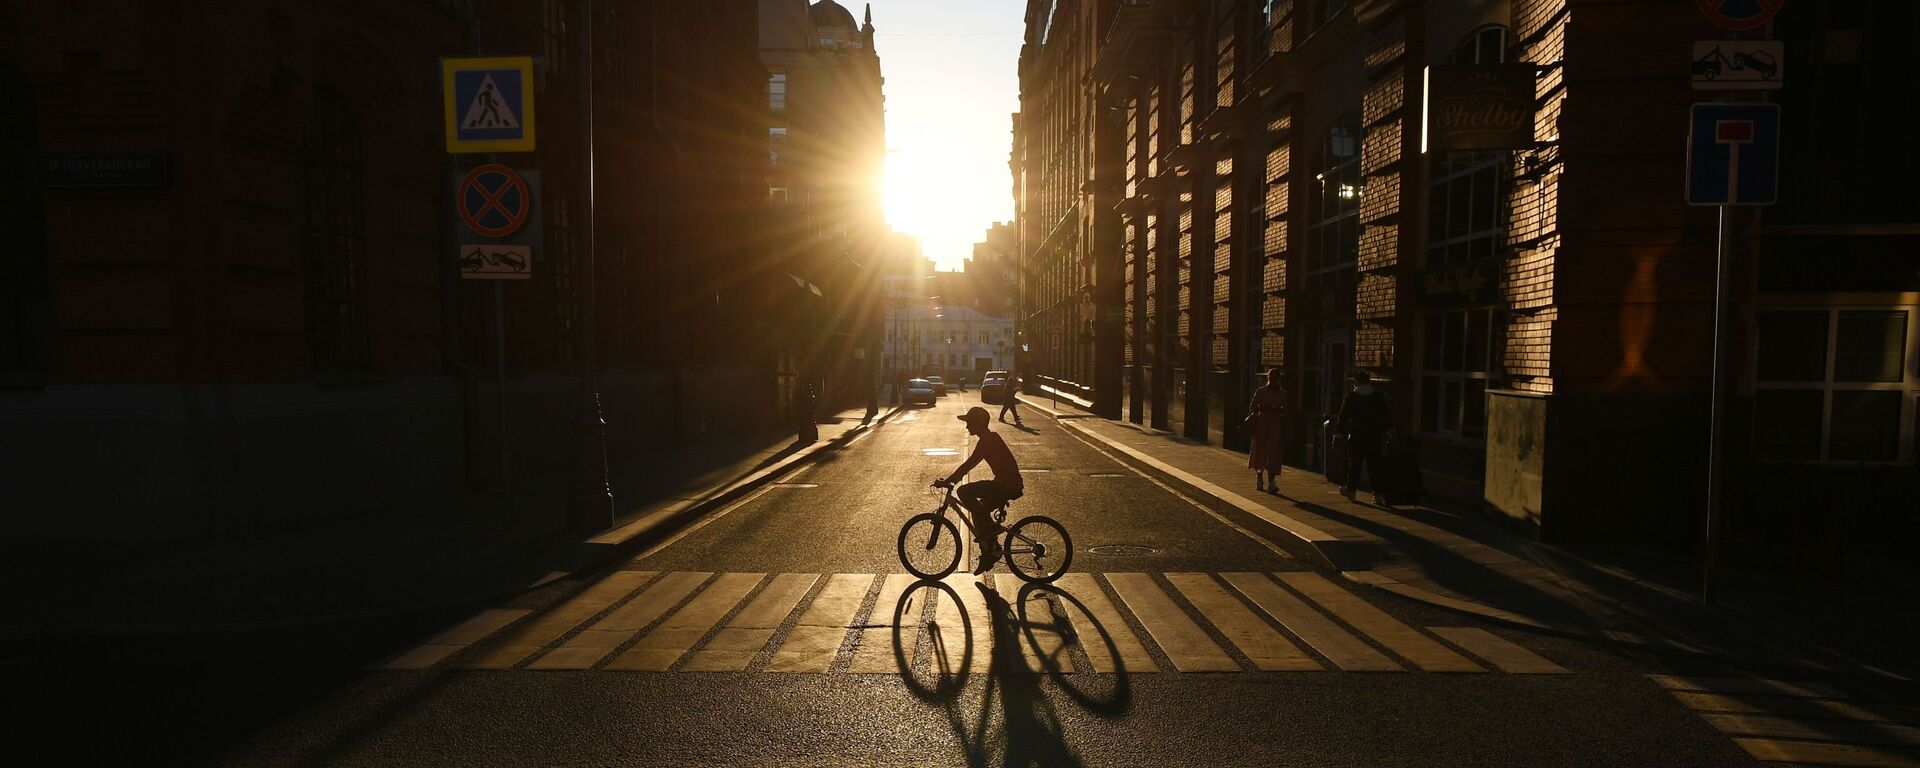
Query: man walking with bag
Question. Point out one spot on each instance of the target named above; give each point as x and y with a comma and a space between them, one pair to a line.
1364, 421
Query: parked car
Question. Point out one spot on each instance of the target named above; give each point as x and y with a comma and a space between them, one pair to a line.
919, 391
993, 390
939, 385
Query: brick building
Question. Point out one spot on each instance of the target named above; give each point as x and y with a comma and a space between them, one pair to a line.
1540, 314
255, 322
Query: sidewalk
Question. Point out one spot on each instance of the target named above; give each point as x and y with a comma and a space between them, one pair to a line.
484, 546
1448, 560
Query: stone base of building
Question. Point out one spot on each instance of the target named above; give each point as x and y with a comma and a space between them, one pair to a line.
1599, 470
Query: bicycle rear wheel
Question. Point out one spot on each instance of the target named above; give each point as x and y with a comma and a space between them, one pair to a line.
929, 546
1038, 549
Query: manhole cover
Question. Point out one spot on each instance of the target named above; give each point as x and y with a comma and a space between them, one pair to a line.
1121, 550
1104, 474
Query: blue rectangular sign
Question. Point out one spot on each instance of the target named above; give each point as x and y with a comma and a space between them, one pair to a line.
1733, 154
489, 103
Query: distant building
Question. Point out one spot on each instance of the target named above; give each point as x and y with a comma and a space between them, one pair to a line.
251, 320
993, 272
825, 147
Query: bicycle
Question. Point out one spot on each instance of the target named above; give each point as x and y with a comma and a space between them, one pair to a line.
1037, 548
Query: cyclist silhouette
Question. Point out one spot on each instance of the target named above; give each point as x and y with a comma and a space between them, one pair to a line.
981, 497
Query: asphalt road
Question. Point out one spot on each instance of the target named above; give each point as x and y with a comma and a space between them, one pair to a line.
841, 516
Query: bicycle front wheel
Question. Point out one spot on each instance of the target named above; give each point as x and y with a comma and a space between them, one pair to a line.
929, 546
1038, 549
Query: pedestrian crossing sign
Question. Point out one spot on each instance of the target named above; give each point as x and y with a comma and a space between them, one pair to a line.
488, 103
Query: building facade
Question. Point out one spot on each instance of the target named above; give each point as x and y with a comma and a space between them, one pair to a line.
255, 322
1540, 312
825, 148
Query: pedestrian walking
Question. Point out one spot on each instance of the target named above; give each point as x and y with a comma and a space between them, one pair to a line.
1364, 422
1265, 414
1008, 402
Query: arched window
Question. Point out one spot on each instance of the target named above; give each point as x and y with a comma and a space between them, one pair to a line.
333, 246
25, 289
1333, 231
1466, 226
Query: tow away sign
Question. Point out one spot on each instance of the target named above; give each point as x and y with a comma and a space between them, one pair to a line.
488, 103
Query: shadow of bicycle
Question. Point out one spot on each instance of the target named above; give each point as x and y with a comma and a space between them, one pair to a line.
948, 633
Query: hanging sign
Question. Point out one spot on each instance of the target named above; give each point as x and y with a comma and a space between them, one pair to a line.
488, 103
1478, 106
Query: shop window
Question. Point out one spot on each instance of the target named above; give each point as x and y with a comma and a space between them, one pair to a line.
1835, 385
333, 246
1459, 357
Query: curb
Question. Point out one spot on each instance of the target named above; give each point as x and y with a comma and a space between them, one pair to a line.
586, 557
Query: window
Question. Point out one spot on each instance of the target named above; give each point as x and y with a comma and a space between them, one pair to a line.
1835, 384
776, 145
983, 337
333, 246
1333, 238
1459, 360
777, 92
778, 194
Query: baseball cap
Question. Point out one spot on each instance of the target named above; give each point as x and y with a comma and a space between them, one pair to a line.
974, 414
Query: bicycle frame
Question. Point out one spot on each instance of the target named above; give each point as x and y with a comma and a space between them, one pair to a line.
999, 516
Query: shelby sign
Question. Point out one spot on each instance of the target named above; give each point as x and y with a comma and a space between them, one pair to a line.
1478, 106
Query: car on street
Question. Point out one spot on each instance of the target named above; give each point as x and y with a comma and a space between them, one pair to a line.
939, 385
919, 391
995, 388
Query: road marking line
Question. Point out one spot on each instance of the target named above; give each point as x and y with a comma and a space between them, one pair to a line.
1746, 685
704, 521
1778, 705
737, 643
1825, 754
460, 636
1498, 651
587, 648
874, 654
1879, 734
1127, 654
665, 644
1425, 652
1262, 541
1185, 643
1043, 635
1347, 652
815, 640
527, 639
1266, 647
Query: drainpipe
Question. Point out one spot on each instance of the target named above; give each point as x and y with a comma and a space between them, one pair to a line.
592, 507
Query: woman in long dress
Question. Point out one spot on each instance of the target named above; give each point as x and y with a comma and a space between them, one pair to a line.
1264, 415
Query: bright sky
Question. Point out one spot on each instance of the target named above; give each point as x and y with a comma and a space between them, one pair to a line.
952, 71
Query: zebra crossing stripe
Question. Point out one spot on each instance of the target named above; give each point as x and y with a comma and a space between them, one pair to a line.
660, 647
1269, 650
1043, 635
735, 646
1184, 642
525, 640
874, 654
1497, 651
1425, 652
1100, 625
816, 637
453, 640
592, 644
1347, 652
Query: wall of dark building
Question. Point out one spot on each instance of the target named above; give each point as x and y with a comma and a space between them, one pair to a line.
274, 336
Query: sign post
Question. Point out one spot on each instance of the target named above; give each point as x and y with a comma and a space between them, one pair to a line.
1732, 160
